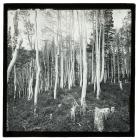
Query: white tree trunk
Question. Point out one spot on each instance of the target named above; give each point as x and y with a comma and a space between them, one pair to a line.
102, 72
84, 87
80, 51
15, 81
37, 67
37, 76
80, 67
56, 58
56, 80
92, 77
62, 71
14, 57
97, 58
114, 64
30, 88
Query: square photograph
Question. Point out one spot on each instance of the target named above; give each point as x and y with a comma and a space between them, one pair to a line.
69, 70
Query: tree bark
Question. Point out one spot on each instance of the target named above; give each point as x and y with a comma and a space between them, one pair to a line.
97, 59
114, 64
84, 87
56, 59
15, 81
37, 65
62, 70
103, 62
56, 80
14, 57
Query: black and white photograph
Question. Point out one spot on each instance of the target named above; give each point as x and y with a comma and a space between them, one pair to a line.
69, 69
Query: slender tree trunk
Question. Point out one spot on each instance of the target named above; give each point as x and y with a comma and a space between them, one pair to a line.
80, 67
118, 65
37, 66
62, 70
80, 50
12, 63
97, 59
73, 50
56, 80
103, 62
30, 84
14, 57
15, 82
92, 77
48, 70
56, 59
114, 65
84, 87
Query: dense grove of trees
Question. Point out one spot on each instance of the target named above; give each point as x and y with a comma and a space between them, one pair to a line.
72, 48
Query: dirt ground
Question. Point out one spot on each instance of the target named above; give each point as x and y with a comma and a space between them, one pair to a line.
54, 115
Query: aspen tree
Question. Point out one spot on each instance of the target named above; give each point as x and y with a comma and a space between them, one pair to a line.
84, 41
97, 56
56, 57
80, 50
18, 42
61, 62
103, 61
37, 64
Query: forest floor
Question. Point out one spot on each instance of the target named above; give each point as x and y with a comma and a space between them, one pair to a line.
54, 115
